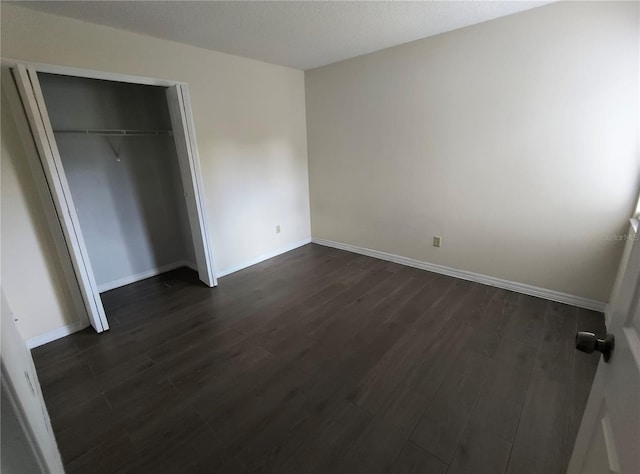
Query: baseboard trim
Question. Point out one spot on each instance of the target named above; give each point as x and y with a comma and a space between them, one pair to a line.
56, 334
523, 288
263, 257
80, 325
190, 265
110, 285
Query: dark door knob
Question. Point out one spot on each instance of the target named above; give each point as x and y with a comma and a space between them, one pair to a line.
588, 342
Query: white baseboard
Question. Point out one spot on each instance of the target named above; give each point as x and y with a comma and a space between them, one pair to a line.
110, 285
80, 325
263, 257
545, 293
56, 334
190, 265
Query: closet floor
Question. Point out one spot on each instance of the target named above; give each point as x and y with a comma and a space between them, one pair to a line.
320, 361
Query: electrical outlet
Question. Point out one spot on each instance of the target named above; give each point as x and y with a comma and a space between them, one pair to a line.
278, 229
436, 241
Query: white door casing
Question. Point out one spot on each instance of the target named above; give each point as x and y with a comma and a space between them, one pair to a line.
609, 437
184, 137
26, 79
33, 159
55, 193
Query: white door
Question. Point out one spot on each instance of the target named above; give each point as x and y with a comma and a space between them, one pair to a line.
609, 437
28, 86
22, 395
184, 136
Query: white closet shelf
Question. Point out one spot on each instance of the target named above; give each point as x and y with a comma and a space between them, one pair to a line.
114, 132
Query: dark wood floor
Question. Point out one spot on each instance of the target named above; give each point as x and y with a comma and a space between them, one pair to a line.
320, 361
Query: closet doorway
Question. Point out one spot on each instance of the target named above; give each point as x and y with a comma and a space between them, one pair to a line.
115, 162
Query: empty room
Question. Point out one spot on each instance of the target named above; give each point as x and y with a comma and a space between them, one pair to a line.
320, 237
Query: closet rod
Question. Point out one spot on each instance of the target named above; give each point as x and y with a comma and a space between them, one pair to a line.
115, 132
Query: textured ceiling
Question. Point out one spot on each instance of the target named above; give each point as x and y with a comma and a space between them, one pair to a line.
299, 34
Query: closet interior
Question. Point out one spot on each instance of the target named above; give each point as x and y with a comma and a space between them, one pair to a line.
119, 156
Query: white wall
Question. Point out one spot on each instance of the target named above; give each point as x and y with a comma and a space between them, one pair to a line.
516, 140
250, 126
127, 190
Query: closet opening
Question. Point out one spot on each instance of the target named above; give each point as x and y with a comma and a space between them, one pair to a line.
119, 163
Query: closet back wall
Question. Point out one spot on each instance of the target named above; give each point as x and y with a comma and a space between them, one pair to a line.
127, 190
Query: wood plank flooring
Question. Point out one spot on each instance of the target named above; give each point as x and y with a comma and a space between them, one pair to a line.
320, 361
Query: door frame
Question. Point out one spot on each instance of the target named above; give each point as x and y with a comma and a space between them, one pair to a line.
187, 152
80, 273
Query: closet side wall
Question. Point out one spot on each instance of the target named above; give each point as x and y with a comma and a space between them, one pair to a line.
126, 190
